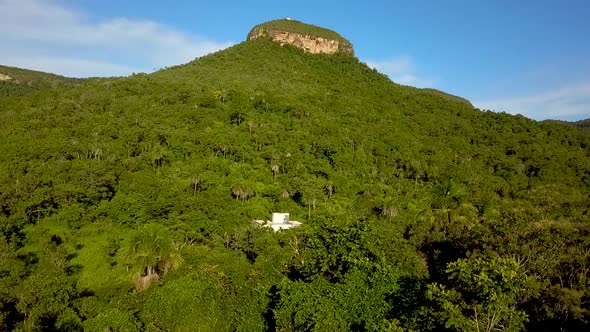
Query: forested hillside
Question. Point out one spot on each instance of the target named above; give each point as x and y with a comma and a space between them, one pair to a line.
20, 82
126, 204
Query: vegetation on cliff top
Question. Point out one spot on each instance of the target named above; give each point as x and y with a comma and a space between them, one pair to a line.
126, 204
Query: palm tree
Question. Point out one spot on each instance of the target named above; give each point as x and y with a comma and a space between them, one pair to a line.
275, 170
158, 156
389, 211
242, 192
310, 202
388, 208
151, 254
329, 190
197, 183
285, 193
446, 198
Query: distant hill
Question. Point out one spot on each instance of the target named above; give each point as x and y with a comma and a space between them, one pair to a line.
580, 124
583, 124
126, 204
17, 81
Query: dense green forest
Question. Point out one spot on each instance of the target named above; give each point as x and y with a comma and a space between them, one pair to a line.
126, 204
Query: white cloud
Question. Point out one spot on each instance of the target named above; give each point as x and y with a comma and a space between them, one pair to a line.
401, 70
568, 103
52, 36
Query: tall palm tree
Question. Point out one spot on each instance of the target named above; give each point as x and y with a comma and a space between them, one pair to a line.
197, 183
285, 193
310, 202
158, 156
389, 212
446, 198
275, 170
151, 254
388, 208
242, 192
329, 191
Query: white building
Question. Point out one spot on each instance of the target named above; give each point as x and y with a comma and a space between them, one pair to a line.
279, 221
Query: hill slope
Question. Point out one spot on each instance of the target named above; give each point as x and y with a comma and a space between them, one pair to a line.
17, 81
393, 184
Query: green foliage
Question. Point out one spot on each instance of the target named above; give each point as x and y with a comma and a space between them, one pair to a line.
187, 304
113, 320
332, 250
484, 295
151, 254
357, 303
344, 274
407, 199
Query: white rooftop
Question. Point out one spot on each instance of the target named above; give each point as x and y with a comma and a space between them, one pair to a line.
279, 221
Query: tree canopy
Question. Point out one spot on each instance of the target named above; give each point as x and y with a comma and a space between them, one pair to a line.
127, 203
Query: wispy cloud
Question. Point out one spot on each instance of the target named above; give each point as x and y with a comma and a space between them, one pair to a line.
45, 35
401, 70
567, 103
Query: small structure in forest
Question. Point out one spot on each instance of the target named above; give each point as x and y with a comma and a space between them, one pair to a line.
279, 221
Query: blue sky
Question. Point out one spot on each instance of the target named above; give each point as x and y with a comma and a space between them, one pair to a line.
528, 57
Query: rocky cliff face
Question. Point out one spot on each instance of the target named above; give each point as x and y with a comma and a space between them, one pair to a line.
287, 32
308, 43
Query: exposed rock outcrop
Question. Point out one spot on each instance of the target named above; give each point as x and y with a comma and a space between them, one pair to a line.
310, 38
4, 77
